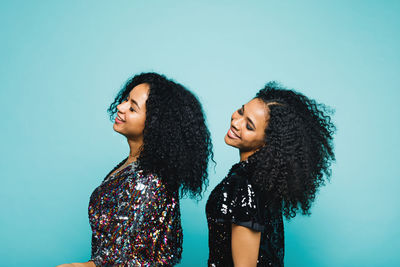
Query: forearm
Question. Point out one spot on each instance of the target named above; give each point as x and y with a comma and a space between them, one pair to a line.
89, 264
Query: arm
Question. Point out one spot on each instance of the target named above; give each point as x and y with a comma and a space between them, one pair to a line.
245, 245
83, 264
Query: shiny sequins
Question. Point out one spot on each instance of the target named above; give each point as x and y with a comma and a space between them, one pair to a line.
236, 200
135, 221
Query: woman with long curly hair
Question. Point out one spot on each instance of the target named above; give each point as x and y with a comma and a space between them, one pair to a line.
134, 214
285, 145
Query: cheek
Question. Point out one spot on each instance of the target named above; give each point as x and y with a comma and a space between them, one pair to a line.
253, 138
136, 121
142, 122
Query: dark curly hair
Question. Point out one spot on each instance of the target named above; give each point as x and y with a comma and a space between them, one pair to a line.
298, 152
176, 141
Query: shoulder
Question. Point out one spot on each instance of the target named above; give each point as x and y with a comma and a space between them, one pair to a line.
236, 200
139, 176
241, 176
148, 182
236, 189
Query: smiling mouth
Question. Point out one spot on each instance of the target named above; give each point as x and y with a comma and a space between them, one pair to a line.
232, 134
118, 119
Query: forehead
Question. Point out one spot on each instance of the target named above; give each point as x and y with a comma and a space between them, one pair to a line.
140, 92
257, 108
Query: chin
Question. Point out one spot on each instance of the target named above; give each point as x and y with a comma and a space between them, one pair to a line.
115, 127
226, 139
229, 142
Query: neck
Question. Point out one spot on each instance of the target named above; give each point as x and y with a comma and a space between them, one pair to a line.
245, 155
135, 147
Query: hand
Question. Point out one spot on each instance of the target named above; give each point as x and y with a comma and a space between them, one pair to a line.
78, 264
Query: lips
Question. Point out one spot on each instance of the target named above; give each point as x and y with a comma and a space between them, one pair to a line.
232, 134
118, 119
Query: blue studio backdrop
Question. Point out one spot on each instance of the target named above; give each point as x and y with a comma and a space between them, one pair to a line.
62, 62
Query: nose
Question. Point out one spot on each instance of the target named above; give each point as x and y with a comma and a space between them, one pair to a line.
235, 122
121, 107
235, 125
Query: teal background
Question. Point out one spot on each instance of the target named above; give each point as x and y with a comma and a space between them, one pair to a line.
62, 62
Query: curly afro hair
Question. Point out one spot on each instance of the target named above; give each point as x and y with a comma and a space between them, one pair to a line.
176, 141
298, 153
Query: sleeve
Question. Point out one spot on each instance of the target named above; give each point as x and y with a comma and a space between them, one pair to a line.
140, 233
246, 206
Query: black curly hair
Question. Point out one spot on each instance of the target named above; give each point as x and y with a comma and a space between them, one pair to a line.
176, 141
298, 149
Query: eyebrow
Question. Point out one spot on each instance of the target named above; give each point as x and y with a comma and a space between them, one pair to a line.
134, 102
250, 121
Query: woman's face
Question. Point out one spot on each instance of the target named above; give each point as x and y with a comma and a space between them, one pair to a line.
131, 114
247, 131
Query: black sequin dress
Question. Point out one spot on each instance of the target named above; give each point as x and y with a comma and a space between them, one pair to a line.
135, 221
237, 201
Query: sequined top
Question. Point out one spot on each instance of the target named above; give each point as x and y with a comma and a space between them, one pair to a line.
135, 221
236, 200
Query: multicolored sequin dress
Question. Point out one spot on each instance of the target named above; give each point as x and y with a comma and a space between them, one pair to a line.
237, 201
135, 221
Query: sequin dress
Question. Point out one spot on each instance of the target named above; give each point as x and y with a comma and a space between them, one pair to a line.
134, 221
236, 200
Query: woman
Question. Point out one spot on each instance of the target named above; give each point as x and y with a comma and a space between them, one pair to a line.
134, 213
285, 145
